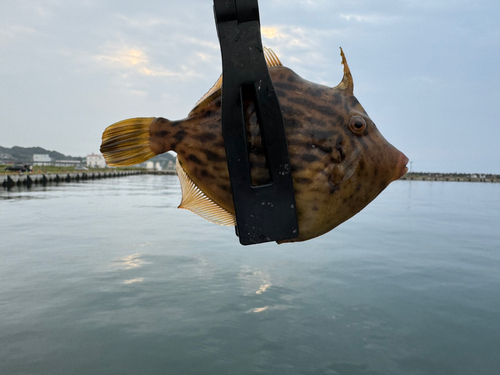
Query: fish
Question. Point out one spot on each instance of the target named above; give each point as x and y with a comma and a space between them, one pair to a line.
339, 160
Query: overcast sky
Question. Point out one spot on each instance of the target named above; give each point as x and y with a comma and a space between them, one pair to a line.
427, 72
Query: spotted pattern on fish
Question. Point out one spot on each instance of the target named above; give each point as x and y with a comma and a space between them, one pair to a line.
319, 139
338, 159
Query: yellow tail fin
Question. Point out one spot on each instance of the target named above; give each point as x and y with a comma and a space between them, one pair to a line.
127, 142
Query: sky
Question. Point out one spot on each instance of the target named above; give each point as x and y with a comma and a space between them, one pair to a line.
427, 72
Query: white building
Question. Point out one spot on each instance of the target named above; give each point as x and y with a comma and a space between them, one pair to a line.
96, 161
42, 159
170, 166
151, 165
66, 163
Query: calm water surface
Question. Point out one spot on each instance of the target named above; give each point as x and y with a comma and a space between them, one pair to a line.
109, 277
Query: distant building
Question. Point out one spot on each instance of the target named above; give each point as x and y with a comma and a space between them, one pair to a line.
5, 157
151, 165
170, 166
42, 159
96, 161
66, 163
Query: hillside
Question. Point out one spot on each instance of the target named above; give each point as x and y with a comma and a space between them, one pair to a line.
24, 155
164, 159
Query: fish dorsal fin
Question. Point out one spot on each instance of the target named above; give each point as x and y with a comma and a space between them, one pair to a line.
272, 60
194, 200
217, 85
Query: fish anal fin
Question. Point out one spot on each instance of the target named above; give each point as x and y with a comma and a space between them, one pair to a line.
194, 200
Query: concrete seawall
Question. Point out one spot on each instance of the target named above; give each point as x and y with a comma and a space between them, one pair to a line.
451, 178
29, 179
11, 180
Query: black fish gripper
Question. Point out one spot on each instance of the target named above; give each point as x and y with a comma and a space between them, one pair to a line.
266, 212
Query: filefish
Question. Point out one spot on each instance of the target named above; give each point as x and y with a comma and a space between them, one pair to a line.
339, 160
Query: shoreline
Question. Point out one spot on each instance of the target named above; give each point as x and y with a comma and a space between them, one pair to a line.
28, 179
455, 177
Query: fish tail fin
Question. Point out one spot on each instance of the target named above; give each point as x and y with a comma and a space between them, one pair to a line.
127, 142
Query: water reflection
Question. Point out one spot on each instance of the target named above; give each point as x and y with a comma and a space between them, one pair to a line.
22, 192
254, 282
263, 288
257, 310
129, 262
92, 271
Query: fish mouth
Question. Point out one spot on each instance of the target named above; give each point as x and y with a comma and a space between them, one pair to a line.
402, 168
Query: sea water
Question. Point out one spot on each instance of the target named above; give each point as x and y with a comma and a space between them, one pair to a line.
109, 277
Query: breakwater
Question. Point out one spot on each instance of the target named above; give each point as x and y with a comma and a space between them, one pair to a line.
459, 177
28, 179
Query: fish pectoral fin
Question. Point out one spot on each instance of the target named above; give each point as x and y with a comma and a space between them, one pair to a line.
350, 163
127, 142
272, 60
194, 200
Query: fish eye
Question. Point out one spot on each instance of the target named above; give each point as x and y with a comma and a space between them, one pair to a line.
357, 125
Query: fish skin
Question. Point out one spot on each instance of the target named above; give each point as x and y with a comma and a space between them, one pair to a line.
319, 141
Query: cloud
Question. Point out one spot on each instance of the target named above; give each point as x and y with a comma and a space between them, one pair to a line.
202, 42
411, 60
127, 57
9, 33
134, 60
303, 49
142, 23
373, 19
272, 32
